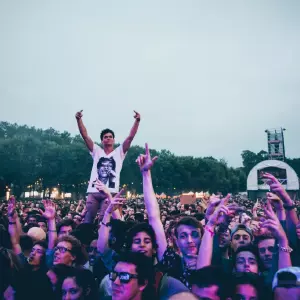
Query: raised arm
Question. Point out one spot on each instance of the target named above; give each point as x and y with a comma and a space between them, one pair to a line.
88, 141
12, 225
278, 205
79, 206
49, 214
273, 224
145, 163
133, 131
104, 229
290, 212
206, 247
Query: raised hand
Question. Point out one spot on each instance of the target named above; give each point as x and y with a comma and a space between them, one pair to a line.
212, 203
50, 210
116, 202
137, 116
145, 162
256, 206
79, 115
101, 187
276, 201
11, 208
273, 224
277, 188
220, 212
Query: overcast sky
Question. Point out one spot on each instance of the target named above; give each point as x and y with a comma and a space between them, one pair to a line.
208, 77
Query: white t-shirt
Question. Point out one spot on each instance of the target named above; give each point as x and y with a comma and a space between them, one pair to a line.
107, 168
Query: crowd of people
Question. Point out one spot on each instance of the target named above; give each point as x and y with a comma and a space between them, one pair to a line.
110, 247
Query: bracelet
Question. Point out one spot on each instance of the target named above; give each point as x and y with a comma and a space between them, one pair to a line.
12, 223
106, 225
284, 249
51, 230
289, 207
212, 233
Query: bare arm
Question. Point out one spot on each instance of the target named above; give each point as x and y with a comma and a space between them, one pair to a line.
88, 141
14, 237
52, 234
12, 227
133, 131
278, 205
273, 224
278, 189
206, 247
284, 260
78, 208
49, 214
103, 232
154, 214
145, 163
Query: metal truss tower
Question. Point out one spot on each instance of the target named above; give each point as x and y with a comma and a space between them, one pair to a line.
276, 149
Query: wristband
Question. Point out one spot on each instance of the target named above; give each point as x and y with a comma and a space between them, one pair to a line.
289, 207
287, 249
106, 225
51, 230
212, 233
12, 223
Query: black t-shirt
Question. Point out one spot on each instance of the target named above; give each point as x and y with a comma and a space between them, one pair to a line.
34, 285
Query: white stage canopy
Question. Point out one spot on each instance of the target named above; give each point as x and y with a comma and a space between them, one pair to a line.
290, 184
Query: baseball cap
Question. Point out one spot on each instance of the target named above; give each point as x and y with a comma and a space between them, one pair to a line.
241, 227
287, 277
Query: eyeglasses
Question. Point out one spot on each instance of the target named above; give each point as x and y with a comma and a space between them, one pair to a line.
62, 249
263, 250
124, 277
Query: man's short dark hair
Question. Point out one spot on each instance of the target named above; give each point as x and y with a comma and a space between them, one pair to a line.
105, 131
141, 227
261, 238
246, 278
67, 222
209, 276
144, 265
188, 221
248, 248
42, 244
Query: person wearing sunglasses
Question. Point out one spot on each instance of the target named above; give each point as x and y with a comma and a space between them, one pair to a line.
132, 277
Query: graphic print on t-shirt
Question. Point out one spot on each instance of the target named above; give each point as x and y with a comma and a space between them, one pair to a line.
106, 170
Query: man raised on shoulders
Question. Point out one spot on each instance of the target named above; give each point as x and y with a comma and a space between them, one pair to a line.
107, 163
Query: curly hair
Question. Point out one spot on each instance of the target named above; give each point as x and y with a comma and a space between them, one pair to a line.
81, 256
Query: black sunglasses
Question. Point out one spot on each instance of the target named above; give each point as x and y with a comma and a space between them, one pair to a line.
124, 277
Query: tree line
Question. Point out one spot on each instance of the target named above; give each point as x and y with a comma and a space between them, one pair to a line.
51, 158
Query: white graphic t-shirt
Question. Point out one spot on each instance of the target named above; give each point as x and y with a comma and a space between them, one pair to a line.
107, 168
